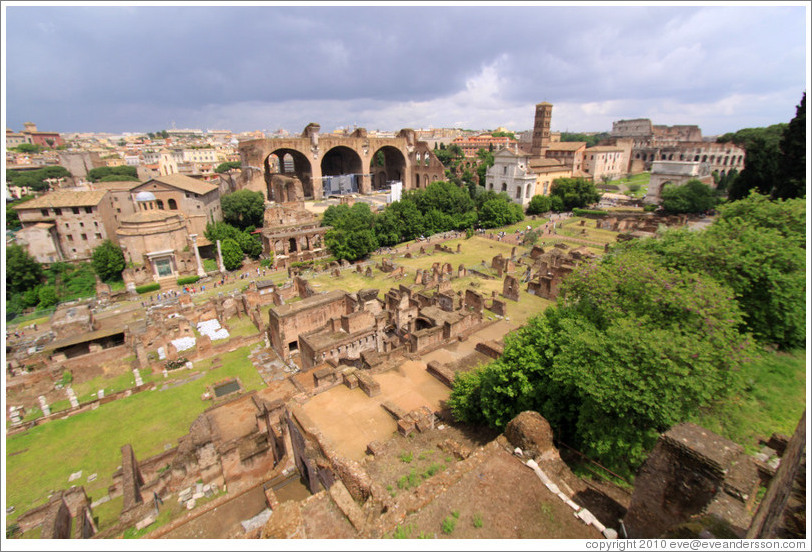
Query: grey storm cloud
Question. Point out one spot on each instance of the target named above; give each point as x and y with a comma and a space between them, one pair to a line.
119, 68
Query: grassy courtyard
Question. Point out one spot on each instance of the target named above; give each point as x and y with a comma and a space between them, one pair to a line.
772, 400
40, 460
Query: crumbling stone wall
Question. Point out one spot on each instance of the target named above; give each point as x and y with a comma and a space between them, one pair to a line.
57, 522
689, 470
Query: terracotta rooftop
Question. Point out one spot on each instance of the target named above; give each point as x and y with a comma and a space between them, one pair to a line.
123, 185
566, 146
185, 183
545, 163
64, 199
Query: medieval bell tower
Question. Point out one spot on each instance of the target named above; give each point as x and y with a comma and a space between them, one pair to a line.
541, 129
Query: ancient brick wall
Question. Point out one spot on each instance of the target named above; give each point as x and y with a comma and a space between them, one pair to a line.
57, 522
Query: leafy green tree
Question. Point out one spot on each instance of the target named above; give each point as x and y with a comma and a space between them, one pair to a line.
760, 169
232, 254
791, 179
486, 162
108, 261
28, 148
97, 174
691, 197
761, 258
590, 139
334, 213
500, 211
243, 208
12, 219
352, 236
47, 297
250, 244
227, 166
574, 192
633, 349
22, 271
788, 217
119, 178
539, 204
400, 221
220, 231
502, 134
446, 197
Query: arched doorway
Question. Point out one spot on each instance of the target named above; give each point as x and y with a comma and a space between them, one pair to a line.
289, 162
341, 171
388, 164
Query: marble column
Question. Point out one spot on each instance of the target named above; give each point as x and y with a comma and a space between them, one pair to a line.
200, 271
220, 258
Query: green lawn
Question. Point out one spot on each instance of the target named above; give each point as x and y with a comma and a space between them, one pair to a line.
92, 441
572, 228
773, 400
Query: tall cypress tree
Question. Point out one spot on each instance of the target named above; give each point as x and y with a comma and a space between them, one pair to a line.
791, 181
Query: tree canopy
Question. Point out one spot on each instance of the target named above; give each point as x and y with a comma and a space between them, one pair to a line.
232, 254
756, 248
249, 243
352, 236
633, 349
23, 272
539, 204
791, 181
103, 173
243, 208
227, 166
36, 179
573, 193
108, 261
691, 197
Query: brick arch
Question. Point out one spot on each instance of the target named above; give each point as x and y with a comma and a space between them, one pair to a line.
312, 147
394, 166
278, 161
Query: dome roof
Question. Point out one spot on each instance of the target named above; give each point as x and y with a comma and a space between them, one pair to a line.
145, 196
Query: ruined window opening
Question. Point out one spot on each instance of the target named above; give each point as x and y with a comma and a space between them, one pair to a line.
159, 203
293, 346
292, 245
57, 212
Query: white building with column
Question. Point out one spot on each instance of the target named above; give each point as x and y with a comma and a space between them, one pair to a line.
511, 174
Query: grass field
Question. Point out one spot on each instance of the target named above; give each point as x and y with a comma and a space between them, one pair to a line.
40, 460
641, 179
773, 399
572, 228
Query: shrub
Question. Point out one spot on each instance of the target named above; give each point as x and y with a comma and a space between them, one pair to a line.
188, 280
406, 457
539, 204
448, 525
478, 520
146, 288
585, 212
650, 207
232, 254
267, 263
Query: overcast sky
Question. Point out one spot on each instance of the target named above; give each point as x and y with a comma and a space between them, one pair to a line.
144, 68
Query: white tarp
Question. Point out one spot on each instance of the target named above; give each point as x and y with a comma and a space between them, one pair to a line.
212, 329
